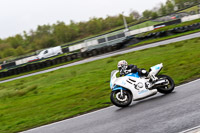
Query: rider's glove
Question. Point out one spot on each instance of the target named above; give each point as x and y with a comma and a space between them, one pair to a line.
127, 71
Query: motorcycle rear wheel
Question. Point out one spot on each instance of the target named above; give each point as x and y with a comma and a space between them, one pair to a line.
119, 101
166, 89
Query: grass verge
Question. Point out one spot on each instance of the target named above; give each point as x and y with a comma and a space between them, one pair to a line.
144, 24
38, 70
67, 92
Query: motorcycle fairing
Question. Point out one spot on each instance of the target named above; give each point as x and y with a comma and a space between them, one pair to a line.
118, 88
113, 78
123, 83
136, 75
156, 69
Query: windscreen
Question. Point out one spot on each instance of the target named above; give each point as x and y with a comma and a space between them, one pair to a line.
112, 73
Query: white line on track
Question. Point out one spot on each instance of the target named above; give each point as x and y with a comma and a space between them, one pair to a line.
191, 130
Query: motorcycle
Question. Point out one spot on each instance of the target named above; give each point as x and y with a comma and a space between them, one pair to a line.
133, 86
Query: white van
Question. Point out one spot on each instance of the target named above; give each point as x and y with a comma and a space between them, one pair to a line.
50, 52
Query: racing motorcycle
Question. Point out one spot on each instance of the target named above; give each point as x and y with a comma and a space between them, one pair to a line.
133, 86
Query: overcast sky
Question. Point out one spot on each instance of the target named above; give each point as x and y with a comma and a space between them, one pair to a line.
17, 16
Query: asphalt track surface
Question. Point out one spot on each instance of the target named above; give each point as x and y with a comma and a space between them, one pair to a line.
113, 54
172, 113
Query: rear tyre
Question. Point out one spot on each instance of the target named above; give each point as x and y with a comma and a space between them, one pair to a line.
166, 88
121, 101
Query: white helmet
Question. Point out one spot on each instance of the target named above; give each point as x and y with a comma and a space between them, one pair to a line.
122, 64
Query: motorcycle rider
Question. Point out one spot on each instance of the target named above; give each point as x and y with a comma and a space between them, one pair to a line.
125, 69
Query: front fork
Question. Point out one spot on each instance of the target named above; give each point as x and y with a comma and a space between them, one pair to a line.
121, 93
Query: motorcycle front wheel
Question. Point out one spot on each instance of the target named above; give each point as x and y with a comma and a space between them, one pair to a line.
121, 100
166, 88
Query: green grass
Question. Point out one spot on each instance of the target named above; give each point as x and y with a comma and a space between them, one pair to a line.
145, 24
67, 92
38, 70
188, 10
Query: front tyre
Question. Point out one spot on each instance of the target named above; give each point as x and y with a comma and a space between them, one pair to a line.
121, 100
166, 88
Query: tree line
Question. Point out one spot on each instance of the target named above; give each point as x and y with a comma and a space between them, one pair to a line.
60, 33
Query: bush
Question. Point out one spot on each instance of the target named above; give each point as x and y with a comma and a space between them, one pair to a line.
20, 51
8, 52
